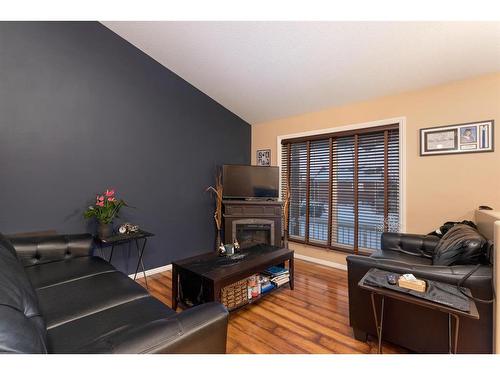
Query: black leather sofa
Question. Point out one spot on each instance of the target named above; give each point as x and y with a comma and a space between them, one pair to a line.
57, 298
413, 327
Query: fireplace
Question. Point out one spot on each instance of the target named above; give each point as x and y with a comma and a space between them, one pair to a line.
252, 222
251, 232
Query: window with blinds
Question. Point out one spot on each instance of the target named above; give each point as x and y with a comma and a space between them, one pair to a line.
344, 187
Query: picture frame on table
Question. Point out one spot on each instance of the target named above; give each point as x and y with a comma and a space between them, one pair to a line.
457, 139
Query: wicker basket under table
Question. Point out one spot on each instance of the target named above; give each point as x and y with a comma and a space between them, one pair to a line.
235, 295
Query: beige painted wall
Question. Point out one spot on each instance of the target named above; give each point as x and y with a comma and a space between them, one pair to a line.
438, 188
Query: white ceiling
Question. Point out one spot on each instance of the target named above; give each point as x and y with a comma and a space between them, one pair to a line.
267, 70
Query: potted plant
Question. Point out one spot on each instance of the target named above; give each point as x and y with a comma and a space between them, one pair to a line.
106, 208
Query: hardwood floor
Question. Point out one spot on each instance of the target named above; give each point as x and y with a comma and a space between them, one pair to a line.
312, 318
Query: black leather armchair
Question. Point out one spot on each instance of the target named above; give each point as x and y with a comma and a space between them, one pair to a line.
416, 328
55, 297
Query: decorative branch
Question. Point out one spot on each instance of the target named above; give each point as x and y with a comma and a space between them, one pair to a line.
286, 207
217, 191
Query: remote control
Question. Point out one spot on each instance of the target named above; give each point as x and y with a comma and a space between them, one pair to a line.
392, 279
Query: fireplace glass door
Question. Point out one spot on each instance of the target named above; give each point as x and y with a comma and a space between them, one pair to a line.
254, 232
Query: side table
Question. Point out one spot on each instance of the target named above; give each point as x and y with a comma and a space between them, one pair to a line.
120, 239
408, 298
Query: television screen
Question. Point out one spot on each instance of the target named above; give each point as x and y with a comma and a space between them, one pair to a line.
245, 181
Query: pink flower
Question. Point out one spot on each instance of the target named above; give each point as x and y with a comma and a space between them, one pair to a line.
111, 199
109, 193
100, 198
100, 204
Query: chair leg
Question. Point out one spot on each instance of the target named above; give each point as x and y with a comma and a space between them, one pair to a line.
359, 334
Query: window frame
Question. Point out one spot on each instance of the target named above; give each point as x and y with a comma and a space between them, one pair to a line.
369, 127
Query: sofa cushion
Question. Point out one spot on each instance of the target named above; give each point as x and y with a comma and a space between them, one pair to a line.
67, 301
22, 328
34, 250
400, 257
66, 270
104, 329
413, 244
461, 245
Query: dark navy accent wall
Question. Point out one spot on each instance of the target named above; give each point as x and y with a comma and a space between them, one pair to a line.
81, 110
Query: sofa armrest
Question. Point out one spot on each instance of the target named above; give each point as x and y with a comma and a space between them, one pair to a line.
199, 330
32, 250
412, 244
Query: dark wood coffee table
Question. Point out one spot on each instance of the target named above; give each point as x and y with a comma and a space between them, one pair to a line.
216, 272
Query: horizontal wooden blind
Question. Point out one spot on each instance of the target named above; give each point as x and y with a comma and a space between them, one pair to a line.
393, 183
319, 167
344, 187
343, 197
371, 189
298, 183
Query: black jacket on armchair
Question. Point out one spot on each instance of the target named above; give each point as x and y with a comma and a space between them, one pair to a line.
414, 327
57, 298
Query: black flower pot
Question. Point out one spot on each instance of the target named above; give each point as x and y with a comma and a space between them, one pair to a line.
104, 230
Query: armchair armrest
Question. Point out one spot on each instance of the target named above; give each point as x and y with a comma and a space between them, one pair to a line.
33, 250
476, 335
412, 244
479, 282
199, 330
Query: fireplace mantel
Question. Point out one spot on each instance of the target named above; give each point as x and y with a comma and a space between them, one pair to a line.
258, 215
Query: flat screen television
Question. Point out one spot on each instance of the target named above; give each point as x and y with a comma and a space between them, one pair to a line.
247, 182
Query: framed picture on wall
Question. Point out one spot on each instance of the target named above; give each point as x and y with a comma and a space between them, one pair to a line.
457, 139
264, 157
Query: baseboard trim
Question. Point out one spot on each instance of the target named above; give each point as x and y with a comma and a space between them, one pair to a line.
323, 262
152, 271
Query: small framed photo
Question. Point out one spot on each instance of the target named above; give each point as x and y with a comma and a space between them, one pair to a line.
264, 157
457, 139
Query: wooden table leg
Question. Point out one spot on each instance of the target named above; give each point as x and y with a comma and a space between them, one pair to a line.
457, 328
175, 287
216, 292
291, 270
450, 348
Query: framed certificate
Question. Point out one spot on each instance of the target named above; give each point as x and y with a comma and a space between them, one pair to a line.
457, 139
